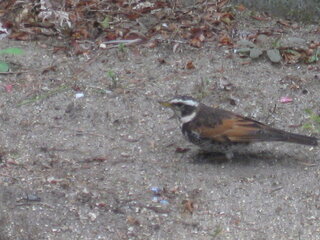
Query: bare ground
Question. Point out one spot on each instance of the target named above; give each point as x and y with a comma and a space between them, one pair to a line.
83, 168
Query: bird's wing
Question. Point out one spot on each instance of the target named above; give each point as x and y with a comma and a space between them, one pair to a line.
232, 128
224, 126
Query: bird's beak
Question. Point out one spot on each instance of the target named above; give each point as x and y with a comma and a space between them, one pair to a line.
165, 104
169, 105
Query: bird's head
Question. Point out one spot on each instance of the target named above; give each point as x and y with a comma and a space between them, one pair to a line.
184, 107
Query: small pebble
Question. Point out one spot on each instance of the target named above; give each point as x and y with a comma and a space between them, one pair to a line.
155, 199
164, 202
286, 99
155, 190
79, 95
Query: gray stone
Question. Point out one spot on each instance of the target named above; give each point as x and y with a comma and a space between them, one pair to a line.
294, 42
262, 40
274, 55
255, 53
245, 43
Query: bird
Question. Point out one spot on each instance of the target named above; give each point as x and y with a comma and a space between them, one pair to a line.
218, 130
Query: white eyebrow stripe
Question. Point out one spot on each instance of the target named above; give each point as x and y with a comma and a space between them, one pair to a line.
187, 102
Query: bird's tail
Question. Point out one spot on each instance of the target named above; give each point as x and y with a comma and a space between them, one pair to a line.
283, 136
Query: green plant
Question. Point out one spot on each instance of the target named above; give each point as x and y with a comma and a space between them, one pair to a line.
313, 123
46, 95
315, 57
202, 89
114, 79
105, 23
276, 43
122, 47
4, 67
217, 231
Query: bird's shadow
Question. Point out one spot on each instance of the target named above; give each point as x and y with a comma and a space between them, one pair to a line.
249, 159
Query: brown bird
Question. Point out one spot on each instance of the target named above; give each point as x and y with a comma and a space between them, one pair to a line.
217, 130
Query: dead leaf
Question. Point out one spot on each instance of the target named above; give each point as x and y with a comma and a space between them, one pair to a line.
195, 43
221, 3
291, 56
133, 221
241, 7
227, 18
225, 40
197, 37
59, 48
190, 65
96, 159
21, 36
49, 69
134, 35
162, 60
260, 18
133, 15
188, 206
175, 47
182, 150
81, 34
284, 23
152, 44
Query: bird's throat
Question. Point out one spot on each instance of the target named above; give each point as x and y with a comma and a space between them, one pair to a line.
188, 118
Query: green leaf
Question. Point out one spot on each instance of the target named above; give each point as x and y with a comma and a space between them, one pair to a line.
105, 23
4, 67
308, 111
277, 43
48, 94
307, 126
314, 117
314, 58
317, 119
14, 51
122, 47
111, 74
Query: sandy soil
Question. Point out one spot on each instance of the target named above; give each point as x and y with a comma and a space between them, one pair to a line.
84, 168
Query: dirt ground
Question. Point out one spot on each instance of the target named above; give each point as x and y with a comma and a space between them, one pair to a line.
110, 164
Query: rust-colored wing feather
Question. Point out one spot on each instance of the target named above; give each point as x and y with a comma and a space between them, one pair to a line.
235, 129
224, 126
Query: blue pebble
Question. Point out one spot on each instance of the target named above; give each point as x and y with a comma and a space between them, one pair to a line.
155, 190
155, 199
164, 202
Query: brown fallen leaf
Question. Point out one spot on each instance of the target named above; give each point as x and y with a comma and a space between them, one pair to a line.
188, 206
225, 40
49, 69
291, 56
57, 49
182, 150
133, 15
221, 3
21, 36
162, 60
260, 18
197, 37
133, 221
190, 65
241, 7
152, 43
227, 17
96, 159
284, 23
